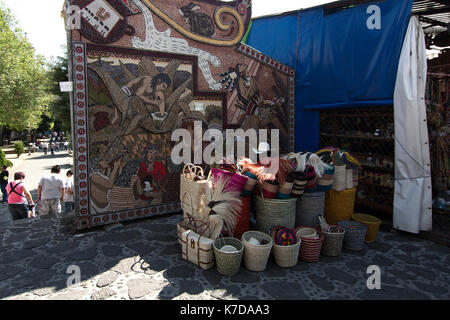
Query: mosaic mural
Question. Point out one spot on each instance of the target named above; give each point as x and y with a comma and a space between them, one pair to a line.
143, 68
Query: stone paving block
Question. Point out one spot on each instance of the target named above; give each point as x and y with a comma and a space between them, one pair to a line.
245, 276
281, 290
212, 276
190, 287
10, 271
393, 293
36, 243
138, 288
74, 294
106, 279
43, 262
407, 259
112, 251
432, 289
322, 283
103, 294
340, 275
185, 272
157, 227
86, 254
16, 255
408, 248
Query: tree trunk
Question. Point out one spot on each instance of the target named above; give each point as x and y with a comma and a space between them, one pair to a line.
1, 136
10, 136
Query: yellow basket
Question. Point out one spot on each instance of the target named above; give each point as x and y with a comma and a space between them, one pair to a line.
339, 205
372, 223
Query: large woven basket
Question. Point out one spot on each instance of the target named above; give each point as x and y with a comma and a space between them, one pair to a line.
332, 244
228, 263
372, 223
309, 208
286, 256
339, 205
274, 212
355, 234
256, 256
310, 248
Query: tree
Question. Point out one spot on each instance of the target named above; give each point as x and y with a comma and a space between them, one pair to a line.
19, 148
24, 85
60, 107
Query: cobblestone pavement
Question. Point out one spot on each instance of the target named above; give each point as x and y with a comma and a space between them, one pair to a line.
142, 260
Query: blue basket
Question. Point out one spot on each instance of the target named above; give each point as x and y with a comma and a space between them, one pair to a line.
355, 234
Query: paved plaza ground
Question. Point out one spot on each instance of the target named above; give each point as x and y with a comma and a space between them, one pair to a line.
142, 260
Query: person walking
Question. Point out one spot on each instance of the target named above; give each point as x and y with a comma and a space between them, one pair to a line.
51, 192
4, 175
69, 203
17, 197
52, 148
66, 145
45, 147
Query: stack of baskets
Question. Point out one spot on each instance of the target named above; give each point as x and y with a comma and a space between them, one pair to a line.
310, 246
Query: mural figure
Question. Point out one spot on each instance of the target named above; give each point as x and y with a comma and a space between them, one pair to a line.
162, 41
199, 22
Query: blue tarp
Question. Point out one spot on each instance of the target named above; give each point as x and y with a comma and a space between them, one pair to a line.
339, 61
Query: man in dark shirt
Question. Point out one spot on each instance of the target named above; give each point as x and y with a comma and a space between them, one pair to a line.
3, 183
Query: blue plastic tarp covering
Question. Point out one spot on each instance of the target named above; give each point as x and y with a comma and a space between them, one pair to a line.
339, 61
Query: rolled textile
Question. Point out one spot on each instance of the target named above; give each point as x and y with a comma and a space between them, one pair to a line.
285, 189
298, 188
326, 181
269, 188
251, 182
312, 178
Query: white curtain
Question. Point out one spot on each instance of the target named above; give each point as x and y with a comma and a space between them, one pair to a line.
412, 195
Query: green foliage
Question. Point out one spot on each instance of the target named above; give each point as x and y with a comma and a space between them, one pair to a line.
24, 89
19, 148
60, 107
4, 161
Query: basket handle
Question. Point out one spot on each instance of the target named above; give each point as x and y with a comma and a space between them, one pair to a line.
192, 170
262, 196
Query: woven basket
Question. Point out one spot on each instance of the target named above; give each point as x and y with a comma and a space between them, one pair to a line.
372, 223
332, 244
339, 205
310, 248
309, 208
256, 256
250, 184
274, 212
286, 256
228, 263
348, 178
339, 178
355, 234
236, 181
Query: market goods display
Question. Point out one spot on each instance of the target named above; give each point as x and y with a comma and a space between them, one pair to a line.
228, 253
372, 223
257, 250
355, 234
309, 208
301, 193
